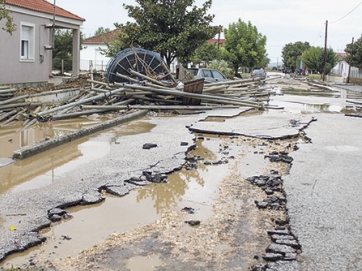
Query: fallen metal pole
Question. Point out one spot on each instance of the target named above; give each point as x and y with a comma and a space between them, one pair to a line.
4, 116
168, 72
127, 77
83, 101
147, 78
203, 97
8, 90
97, 82
76, 114
13, 117
232, 82
19, 105
153, 107
23, 97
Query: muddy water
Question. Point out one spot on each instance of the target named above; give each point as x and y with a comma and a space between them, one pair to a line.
12, 138
197, 188
319, 105
43, 169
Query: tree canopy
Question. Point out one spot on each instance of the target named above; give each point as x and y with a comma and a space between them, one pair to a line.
168, 27
292, 54
10, 27
101, 30
244, 46
203, 54
314, 58
356, 54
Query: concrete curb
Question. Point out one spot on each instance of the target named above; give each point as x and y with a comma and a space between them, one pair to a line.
28, 151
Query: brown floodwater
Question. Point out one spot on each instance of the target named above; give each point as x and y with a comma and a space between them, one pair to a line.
12, 137
197, 188
44, 168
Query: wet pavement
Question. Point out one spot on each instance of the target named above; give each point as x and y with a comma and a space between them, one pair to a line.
321, 188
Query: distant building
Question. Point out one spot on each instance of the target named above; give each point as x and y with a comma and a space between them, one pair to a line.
26, 55
220, 42
341, 69
91, 52
91, 55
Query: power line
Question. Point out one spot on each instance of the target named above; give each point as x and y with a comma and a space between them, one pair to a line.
347, 13
319, 34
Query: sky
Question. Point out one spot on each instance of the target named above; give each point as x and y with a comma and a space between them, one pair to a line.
281, 21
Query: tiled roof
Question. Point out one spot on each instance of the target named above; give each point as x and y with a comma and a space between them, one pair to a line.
43, 6
109, 36
341, 55
220, 41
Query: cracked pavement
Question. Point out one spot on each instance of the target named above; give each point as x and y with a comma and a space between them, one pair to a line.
322, 187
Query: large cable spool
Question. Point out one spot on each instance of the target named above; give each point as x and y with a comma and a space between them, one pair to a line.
140, 60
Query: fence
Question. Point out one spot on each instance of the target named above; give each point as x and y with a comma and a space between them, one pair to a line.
98, 65
356, 74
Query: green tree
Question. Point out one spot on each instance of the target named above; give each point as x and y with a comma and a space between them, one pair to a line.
114, 44
292, 54
171, 28
203, 54
223, 67
356, 54
314, 59
10, 27
101, 30
63, 48
244, 46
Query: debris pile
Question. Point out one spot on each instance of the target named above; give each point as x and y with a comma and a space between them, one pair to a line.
142, 86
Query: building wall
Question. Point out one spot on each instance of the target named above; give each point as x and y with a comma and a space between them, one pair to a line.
13, 69
342, 69
91, 54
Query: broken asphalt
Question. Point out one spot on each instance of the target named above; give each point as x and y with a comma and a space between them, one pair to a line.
322, 187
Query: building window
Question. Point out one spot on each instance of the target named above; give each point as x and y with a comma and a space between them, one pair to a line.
27, 37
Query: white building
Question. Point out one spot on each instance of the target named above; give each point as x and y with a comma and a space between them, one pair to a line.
90, 55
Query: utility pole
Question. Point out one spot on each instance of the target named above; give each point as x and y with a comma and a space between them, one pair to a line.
350, 62
325, 52
218, 42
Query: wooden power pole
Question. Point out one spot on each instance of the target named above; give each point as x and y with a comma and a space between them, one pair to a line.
325, 52
350, 61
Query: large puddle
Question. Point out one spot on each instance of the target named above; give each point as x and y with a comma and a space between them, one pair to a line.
13, 137
44, 168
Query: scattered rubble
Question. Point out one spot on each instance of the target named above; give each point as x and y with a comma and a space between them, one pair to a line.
138, 87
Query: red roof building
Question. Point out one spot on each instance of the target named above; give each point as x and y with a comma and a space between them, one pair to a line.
44, 7
26, 54
220, 41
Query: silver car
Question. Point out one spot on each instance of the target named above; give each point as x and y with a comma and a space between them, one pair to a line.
210, 75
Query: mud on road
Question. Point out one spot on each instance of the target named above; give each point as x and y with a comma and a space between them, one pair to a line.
234, 237
248, 226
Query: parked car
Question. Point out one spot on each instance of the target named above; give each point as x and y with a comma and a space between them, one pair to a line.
257, 73
210, 75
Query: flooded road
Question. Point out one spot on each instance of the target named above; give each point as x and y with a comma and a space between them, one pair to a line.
188, 187
45, 168
223, 165
12, 137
